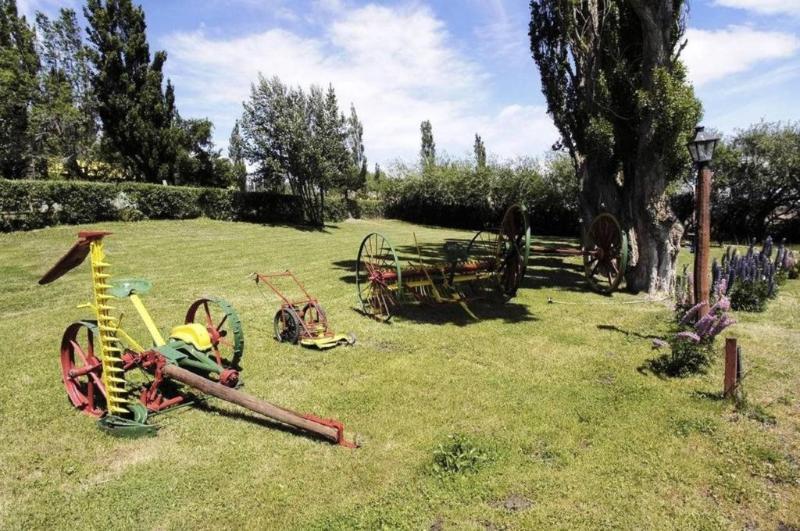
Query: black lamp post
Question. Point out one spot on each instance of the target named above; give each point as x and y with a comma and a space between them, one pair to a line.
701, 148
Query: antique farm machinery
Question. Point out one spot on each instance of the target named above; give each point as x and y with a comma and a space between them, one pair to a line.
494, 259
604, 252
300, 319
110, 375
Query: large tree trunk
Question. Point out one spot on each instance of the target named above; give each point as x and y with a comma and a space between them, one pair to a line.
656, 234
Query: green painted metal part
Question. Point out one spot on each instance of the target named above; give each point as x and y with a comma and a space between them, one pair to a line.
235, 324
124, 287
128, 428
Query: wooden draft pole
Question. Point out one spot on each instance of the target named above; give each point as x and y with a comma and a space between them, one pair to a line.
328, 429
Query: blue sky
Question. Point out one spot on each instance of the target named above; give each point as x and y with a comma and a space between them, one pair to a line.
464, 65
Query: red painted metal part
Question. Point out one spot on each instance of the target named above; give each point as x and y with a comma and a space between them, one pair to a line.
337, 425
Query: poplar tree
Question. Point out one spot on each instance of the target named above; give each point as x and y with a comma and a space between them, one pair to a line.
19, 65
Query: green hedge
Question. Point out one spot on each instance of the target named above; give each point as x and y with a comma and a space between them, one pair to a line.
26, 205
461, 196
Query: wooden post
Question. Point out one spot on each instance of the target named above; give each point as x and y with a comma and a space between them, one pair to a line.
701, 257
731, 365
248, 402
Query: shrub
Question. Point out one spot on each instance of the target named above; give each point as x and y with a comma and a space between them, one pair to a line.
754, 278
26, 205
692, 344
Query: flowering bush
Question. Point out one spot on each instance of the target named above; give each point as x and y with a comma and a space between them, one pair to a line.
751, 280
691, 346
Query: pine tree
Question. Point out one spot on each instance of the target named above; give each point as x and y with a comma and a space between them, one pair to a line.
427, 152
138, 114
19, 65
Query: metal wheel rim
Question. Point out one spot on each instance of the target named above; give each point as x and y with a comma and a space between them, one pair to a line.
85, 391
225, 329
605, 257
287, 326
513, 249
376, 253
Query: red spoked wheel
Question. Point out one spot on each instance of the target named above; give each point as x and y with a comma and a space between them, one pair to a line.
378, 276
513, 248
82, 370
605, 253
223, 326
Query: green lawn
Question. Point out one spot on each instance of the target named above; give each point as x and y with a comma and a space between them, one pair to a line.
576, 434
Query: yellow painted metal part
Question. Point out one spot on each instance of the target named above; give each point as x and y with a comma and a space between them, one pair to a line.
193, 334
110, 346
158, 339
327, 342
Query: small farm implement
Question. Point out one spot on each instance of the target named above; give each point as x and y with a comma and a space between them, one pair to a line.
494, 259
604, 252
301, 319
110, 375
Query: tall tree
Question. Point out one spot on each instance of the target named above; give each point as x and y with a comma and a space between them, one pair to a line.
480, 152
137, 112
427, 152
357, 172
758, 181
618, 94
236, 156
296, 137
19, 65
64, 120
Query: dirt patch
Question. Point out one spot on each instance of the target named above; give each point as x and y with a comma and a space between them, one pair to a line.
514, 503
437, 524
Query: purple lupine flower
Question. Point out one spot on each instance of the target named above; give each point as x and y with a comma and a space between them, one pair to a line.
704, 325
723, 305
689, 336
724, 322
692, 312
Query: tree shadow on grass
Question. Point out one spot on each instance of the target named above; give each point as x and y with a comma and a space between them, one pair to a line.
255, 418
452, 313
324, 229
545, 272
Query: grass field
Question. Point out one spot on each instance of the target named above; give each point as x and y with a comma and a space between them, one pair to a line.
575, 433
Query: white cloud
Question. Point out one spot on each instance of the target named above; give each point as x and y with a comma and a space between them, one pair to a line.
764, 7
398, 65
715, 54
29, 7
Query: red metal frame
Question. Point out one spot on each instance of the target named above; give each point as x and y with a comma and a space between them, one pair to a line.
296, 306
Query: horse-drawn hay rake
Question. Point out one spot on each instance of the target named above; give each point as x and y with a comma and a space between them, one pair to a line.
109, 375
493, 259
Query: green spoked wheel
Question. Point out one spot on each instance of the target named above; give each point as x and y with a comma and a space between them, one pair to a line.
379, 281
605, 253
512, 250
223, 325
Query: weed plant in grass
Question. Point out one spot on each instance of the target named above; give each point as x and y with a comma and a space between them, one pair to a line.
577, 435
